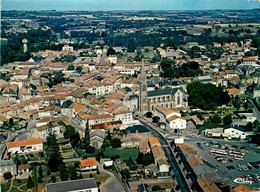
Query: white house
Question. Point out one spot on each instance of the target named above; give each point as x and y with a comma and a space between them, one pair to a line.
112, 59
67, 48
164, 113
50, 128
88, 164
176, 122
25, 146
124, 115
163, 165
236, 133
107, 162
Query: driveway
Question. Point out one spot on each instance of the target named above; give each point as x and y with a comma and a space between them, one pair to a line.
112, 184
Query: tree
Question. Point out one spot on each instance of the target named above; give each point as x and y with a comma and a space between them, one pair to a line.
53, 179
149, 114
147, 159
40, 180
206, 96
71, 67
53, 153
40, 171
156, 119
86, 140
125, 173
249, 126
79, 69
63, 172
90, 149
8, 175
108, 137
80, 176
115, 142
72, 172
111, 51
227, 119
98, 172
131, 45
156, 188
215, 118
131, 164
30, 183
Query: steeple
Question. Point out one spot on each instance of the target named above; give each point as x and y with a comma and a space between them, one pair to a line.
143, 102
143, 73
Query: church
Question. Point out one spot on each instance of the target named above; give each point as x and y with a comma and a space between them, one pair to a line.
168, 97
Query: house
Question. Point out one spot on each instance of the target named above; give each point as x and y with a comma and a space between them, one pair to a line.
138, 130
131, 141
176, 122
124, 115
80, 185
107, 162
50, 128
97, 138
24, 146
23, 169
88, 164
236, 132
153, 141
164, 113
8, 166
216, 132
144, 147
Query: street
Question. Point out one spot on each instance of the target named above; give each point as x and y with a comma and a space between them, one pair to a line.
176, 170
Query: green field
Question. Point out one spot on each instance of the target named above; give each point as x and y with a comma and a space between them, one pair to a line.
123, 153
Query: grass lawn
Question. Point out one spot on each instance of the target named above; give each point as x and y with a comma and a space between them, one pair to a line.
102, 177
6, 186
123, 153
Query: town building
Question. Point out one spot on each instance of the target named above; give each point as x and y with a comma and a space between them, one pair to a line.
8, 166
80, 185
24, 146
88, 165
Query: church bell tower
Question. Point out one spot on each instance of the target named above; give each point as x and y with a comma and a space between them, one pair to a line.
143, 100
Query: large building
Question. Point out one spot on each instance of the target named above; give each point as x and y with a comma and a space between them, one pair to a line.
168, 97
81, 185
25, 146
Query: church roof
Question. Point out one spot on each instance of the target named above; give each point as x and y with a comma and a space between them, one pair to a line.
166, 91
159, 92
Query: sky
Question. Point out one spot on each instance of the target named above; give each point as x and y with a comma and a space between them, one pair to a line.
128, 4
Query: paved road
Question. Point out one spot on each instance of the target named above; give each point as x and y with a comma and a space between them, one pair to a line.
113, 184
177, 172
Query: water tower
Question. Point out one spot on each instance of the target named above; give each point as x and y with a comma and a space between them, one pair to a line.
25, 41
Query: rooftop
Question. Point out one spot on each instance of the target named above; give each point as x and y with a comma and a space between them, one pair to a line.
24, 142
76, 185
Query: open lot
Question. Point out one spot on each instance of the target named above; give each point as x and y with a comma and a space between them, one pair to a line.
223, 168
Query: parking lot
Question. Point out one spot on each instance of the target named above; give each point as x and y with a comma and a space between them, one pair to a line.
229, 167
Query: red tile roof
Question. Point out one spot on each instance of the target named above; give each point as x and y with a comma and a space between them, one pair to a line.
88, 162
24, 142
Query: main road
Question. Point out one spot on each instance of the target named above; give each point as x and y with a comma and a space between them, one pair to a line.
176, 169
